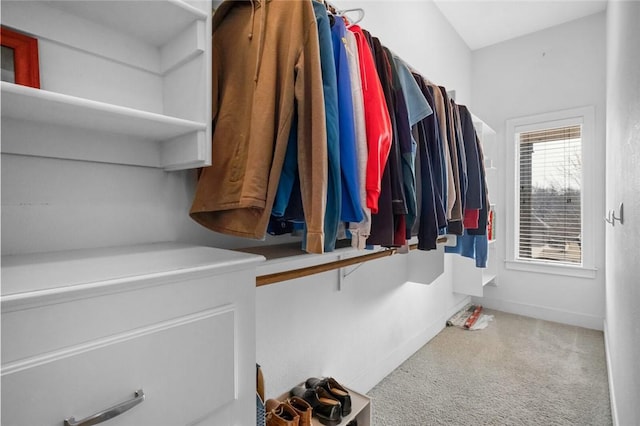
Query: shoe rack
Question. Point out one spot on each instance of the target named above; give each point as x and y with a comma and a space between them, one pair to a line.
360, 409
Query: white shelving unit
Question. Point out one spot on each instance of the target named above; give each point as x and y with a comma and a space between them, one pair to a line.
467, 278
487, 138
113, 75
172, 137
121, 82
360, 410
83, 329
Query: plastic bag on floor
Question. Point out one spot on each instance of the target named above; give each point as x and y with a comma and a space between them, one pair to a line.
470, 318
482, 322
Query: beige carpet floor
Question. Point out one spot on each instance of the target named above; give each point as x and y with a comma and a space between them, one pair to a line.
517, 371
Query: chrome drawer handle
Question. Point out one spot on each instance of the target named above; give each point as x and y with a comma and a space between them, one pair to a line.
107, 414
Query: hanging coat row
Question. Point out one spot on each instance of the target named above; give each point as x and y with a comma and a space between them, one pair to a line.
318, 127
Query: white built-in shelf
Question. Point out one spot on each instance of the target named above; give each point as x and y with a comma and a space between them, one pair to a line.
487, 278
287, 257
290, 256
152, 316
467, 277
37, 278
50, 107
159, 35
155, 22
481, 127
360, 409
180, 142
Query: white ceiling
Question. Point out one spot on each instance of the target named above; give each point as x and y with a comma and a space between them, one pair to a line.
481, 23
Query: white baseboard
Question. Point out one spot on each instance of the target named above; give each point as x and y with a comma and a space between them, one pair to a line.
612, 397
541, 312
366, 381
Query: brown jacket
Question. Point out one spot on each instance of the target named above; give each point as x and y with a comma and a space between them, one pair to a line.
266, 69
452, 189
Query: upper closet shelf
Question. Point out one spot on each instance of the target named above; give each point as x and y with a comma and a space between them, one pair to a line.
181, 142
156, 36
482, 127
51, 107
156, 22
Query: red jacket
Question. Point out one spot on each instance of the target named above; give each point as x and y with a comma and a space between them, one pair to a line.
378, 122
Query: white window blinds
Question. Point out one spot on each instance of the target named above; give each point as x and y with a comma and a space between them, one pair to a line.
550, 196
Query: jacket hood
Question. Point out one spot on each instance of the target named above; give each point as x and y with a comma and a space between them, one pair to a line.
224, 9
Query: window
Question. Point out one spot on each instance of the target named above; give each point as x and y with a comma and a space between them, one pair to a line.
550, 183
549, 192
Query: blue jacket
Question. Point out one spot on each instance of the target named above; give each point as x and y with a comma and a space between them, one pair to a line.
351, 206
472, 246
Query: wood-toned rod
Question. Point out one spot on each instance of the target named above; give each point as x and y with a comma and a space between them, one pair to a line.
324, 267
317, 269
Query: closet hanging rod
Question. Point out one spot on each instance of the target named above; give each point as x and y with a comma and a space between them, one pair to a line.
324, 267
317, 269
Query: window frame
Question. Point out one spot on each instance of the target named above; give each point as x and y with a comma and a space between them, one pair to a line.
584, 116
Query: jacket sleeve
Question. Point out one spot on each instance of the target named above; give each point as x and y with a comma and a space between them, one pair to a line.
474, 198
378, 122
312, 139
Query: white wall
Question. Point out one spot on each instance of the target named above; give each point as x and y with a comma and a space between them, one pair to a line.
53, 204
622, 330
419, 33
555, 69
358, 332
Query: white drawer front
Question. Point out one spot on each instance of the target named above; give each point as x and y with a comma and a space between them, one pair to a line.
55, 325
186, 367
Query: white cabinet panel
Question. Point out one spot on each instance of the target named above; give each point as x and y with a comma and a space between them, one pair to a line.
426, 266
186, 368
82, 330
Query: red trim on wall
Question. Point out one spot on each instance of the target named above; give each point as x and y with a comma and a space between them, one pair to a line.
27, 68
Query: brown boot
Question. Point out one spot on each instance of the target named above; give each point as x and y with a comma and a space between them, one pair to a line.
259, 382
303, 408
281, 414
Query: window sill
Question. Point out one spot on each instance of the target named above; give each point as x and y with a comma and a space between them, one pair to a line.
553, 269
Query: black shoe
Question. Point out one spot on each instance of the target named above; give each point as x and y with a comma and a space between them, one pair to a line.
335, 389
326, 408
